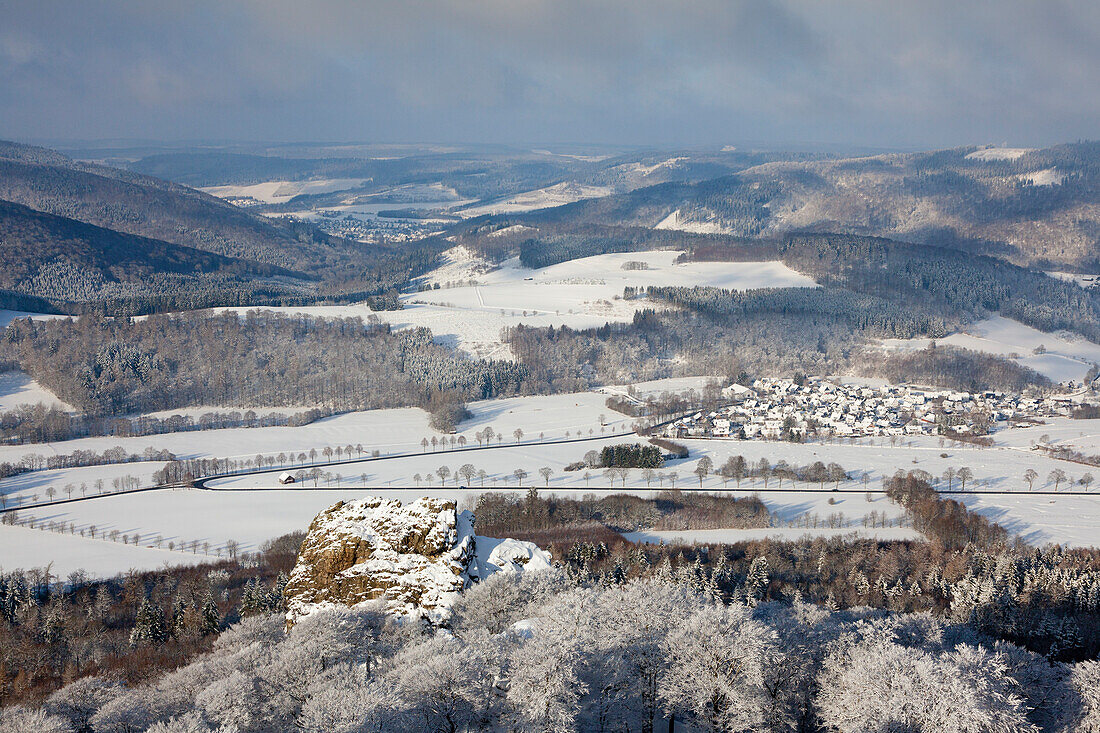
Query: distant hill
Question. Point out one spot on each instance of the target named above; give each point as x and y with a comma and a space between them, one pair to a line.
136, 204
1032, 207
69, 261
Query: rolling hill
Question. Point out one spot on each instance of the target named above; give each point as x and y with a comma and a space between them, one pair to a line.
1038, 208
136, 204
68, 261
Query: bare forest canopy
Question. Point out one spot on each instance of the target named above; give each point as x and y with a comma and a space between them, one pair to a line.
120, 366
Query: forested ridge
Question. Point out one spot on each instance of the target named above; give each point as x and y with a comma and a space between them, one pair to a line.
65, 222
70, 261
955, 282
942, 197
659, 344
109, 366
865, 313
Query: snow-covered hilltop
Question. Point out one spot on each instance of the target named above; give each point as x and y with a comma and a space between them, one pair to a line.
417, 557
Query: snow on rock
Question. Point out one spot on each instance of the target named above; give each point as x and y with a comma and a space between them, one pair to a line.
416, 557
510, 556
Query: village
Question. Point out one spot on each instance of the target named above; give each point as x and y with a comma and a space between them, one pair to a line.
783, 409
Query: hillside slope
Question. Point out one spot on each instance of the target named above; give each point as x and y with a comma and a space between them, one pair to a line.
69, 261
1032, 207
140, 205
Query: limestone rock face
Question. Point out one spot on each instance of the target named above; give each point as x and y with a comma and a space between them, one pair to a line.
415, 557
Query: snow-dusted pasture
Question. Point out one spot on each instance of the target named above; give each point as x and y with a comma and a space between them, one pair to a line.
1084, 280
1067, 356
542, 198
580, 293
583, 293
677, 222
27, 489
388, 431
17, 388
1045, 177
251, 509
994, 153
7, 316
272, 192
25, 548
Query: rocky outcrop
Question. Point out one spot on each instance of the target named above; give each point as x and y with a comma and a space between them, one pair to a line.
415, 558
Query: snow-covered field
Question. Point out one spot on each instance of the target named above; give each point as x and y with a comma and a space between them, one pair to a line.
1084, 280
583, 293
993, 153
656, 387
1067, 356
272, 192
388, 431
7, 316
580, 293
676, 222
542, 198
253, 516
65, 553
17, 388
1045, 177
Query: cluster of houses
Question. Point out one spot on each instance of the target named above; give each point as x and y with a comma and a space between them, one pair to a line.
782, 409
375, 229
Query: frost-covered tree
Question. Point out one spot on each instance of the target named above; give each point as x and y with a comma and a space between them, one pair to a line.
23, 720
717, 658
877, 685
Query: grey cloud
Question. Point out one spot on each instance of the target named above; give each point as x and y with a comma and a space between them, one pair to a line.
926, 73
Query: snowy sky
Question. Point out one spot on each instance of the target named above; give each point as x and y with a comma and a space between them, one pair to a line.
911, 73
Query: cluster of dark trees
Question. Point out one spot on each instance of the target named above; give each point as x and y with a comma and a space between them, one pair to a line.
122, 366
510, 515
41, 424
676, 450
869, 314
946, 280
737, 469
131, 628
631, 455
667, 404
951, 367
672, 344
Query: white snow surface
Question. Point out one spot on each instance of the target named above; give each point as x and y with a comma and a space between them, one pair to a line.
17, 388
266, 510
1084, 280
1068, 356
25, 548
270, 192
676, 222
1045, 177
541, 198
994, 153
582, 293
7, 316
